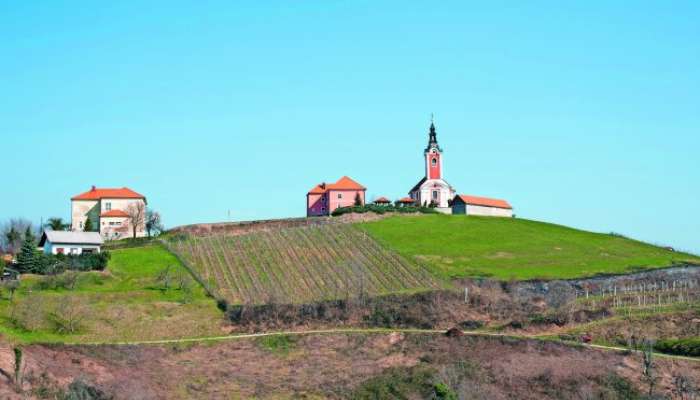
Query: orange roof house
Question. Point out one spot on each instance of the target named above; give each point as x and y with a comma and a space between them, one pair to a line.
324, 198
475, 205
382, 200
108, 212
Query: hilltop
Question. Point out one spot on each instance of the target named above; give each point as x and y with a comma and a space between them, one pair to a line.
514, 248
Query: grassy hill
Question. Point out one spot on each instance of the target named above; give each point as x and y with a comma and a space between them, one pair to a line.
297, 265
510, 248
127, 301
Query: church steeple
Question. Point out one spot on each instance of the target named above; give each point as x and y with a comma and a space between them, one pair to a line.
432, 137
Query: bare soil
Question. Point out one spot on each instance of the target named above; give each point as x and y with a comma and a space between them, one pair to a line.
333, 366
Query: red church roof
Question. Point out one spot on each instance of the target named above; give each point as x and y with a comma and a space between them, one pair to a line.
484, 201
344, 183
97, 194
114, 214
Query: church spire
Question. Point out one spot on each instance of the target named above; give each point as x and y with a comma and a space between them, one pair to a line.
432, 139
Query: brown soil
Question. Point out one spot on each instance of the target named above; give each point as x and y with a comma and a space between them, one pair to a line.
330, 366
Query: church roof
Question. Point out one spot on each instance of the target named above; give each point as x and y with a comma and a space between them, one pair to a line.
344, 183
423, 181
483, 201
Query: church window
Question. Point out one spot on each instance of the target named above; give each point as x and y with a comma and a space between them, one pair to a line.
434, 161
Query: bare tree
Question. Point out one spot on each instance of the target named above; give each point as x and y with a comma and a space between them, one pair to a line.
12, 234
137, 215
68, 315
648, 373
153, 222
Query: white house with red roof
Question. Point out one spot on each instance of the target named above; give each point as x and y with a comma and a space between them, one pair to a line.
324, 198
475, 205
109, 212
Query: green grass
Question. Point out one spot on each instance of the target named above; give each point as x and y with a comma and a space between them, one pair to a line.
455, 246
124, 302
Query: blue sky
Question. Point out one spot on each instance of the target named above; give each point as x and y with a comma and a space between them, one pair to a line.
584, 114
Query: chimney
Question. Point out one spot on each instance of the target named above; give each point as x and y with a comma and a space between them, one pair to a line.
93, 188
323, 185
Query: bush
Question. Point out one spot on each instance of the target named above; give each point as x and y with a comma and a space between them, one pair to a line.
49, 264
377, 209
682, 347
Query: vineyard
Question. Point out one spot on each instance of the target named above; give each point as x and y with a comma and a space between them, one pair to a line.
298, 265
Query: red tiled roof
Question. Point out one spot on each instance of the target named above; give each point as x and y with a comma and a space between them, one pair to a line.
406, 200
382, 200
344, 183
484, 201
97, 194
114, 213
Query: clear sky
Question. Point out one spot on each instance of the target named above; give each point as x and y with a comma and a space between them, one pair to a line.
585, 114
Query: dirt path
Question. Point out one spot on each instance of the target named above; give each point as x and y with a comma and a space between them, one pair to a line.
370, 330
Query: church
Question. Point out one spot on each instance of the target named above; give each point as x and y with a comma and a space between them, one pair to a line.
433, 190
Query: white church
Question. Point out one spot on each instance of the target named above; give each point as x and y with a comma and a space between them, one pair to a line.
433, 190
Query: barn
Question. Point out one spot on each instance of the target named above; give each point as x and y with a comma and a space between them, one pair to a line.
475, 205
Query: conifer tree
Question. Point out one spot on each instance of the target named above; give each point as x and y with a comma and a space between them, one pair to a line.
88, 225
27, 253
358, 199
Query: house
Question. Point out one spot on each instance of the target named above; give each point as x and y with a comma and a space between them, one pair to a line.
382, 201
474, 205
111, 212
432, 188
70, 243
324, 198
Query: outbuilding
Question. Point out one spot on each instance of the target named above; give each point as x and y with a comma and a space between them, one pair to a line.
70, 243
475, 205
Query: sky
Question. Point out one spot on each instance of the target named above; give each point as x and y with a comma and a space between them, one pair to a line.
585, 113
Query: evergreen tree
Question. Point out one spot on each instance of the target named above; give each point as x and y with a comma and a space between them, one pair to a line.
358, 199
27, 253
88, 225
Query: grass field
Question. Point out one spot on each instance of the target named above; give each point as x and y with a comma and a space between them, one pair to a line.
298, 265
127, 301
510, 248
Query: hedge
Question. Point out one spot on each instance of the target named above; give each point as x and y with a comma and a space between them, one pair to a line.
382, 209
682, 347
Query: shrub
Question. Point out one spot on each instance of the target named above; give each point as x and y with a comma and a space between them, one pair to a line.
382, 209
682, 347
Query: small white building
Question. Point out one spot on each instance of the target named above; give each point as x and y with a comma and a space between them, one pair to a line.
474, 205
70, 243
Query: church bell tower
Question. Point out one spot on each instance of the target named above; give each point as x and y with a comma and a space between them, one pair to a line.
433, 156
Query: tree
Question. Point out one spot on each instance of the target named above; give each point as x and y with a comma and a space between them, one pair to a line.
26, 259
87, 227
358, 199
648, 373
153, 222
11, 238
56, 224
136, 214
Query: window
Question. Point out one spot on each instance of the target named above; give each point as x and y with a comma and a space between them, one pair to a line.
81, 225
340, 195
434, 161
108, 206
435, 194
74, 250
60, 250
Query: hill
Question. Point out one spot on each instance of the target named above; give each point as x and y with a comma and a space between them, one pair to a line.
510, 248
298, 265
130, 300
